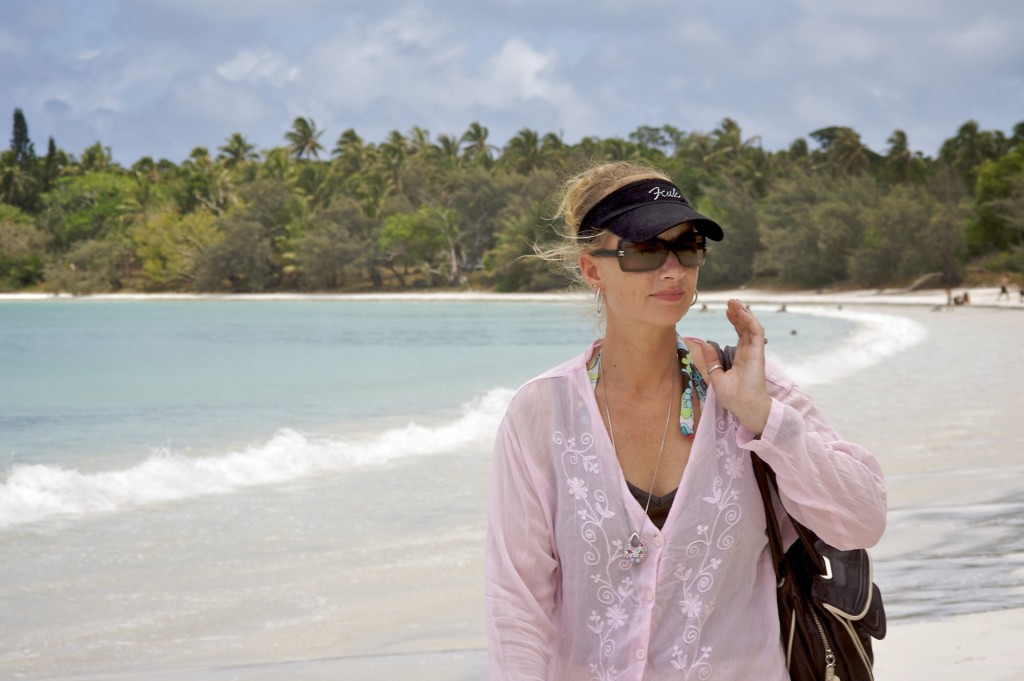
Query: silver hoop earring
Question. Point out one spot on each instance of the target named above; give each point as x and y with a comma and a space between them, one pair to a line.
599, 294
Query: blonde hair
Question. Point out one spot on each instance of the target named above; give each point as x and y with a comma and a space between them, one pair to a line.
578, 195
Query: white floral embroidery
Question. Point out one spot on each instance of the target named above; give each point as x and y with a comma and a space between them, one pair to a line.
691, 605
616, 616
698, 574
581, 470
734, 466
578, 489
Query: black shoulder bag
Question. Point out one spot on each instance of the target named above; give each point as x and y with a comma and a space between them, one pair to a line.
829, 609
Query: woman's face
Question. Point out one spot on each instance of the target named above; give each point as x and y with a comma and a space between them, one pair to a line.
658, 298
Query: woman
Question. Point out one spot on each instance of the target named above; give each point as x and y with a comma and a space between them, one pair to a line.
626, 534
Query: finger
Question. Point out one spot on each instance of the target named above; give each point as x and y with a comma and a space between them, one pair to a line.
711, 361
747, 326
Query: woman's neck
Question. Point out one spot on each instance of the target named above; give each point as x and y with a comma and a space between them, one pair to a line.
639, 362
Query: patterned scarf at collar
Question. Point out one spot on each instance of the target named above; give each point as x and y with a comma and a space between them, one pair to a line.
691, 378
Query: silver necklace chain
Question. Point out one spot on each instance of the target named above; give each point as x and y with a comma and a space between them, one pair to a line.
635, 549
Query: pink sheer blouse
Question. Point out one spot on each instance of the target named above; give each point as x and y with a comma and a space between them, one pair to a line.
562, 602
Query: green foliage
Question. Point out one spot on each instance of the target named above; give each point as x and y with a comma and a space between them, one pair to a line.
730, 262
304, 138
970, 148
18, 186
511, 264
241, 262
92, 266
21, 250
21, 145
999, 204
417, 238
170, 245
412, 210
97, 159
87, 206
907, 234
336, 247
810, 225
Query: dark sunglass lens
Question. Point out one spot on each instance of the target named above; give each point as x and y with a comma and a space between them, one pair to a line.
643, 257
690, 258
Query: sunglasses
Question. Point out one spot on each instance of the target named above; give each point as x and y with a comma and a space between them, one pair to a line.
650, 255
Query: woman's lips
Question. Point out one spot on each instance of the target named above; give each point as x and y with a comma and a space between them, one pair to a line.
669, 296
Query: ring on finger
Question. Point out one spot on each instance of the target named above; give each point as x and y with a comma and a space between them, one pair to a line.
711, 369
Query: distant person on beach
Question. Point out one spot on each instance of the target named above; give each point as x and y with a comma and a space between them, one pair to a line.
1004, 288
626, 534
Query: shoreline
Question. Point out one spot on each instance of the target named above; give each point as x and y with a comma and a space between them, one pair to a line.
985, 297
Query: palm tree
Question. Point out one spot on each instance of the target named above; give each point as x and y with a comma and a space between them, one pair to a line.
899, 159
304, 138
419, 140
729, 139
17, 186
448, 149
697, 149
618, 149
552, 143
349, 143
393, 153
96, 158
842, 149
650, 138
208, 183
351, 154
477, 148
1017, 138
237, 150
970, 148
523, 152
375, 188
278, 165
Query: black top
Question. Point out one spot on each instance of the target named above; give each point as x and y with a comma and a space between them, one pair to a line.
660, 506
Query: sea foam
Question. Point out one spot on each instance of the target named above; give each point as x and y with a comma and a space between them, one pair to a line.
32, 493
36, 492
877, 336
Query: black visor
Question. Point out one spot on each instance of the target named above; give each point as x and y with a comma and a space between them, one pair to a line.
642, 210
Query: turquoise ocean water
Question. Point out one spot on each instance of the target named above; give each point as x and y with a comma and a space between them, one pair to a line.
214, 481
100, 385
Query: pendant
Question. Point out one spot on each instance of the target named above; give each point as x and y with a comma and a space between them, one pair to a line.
637, 549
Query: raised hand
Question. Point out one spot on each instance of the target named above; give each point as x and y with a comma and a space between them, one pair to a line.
741, 389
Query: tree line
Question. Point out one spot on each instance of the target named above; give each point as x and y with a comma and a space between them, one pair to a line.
455, 211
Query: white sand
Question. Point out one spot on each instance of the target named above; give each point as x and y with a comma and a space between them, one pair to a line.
983, 647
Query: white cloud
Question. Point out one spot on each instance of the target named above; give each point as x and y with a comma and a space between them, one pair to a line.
401, 55
177, 68
264, 68
517, 71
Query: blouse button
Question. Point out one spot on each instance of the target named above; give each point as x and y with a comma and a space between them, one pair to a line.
650, 595
658, 541
641, 654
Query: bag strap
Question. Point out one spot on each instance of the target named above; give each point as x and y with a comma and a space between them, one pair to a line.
766, 482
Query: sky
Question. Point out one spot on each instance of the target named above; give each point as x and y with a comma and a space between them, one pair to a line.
160, 77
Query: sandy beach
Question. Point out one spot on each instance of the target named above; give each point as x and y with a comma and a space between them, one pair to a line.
944, 420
